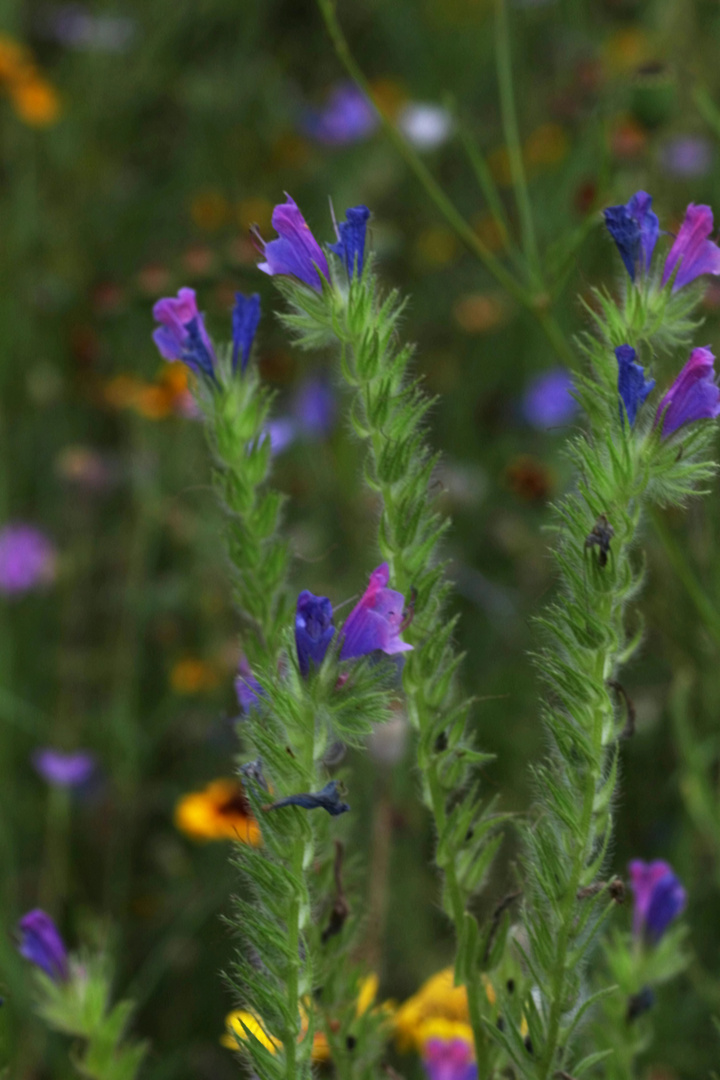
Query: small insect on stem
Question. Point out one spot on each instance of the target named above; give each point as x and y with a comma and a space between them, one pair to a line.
601, 535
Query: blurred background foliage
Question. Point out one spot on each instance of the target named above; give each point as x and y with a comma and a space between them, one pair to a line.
139, 141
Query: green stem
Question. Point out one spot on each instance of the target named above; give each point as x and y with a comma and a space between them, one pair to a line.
679, 562
512, 138
465, 233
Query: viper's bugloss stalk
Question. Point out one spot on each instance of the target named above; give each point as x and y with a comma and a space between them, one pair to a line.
388, 412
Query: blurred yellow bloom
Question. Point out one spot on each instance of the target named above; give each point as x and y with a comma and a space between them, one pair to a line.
626, 50
193, 676
220, 812
209, 209
15, 62
169, 394
437, 1002
254, 211
480, 312
36, 101
234, 1022
367, 993
437, 246
546, 145
437, 1027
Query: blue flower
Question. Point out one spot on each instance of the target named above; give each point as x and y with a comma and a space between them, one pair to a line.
351, 240
313, 629
548, 401
326, 799
197, 354
41, 944
245, 319
696, 253
635, 229
248, 689
347, 117
376, 621
659, 897
632, 385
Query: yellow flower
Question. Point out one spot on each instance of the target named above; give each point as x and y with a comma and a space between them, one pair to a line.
238, 1021
36, 101
209, 209
438, 1027
220, 812
15, 60
440, 1001
367, 993
192, 676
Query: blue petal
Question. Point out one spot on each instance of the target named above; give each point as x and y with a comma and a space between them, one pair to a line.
245, 319
632, 386
351, 245
196, 354
625, 231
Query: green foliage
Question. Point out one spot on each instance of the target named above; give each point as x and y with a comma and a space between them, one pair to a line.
81, 1007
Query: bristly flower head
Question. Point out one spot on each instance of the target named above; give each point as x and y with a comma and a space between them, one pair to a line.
693, 396
313, 629
245, 319
659, 897
632, 385
376, 620
697, 255
296, 253
350, 245
635, 229
64, 770
41, 944
182, 334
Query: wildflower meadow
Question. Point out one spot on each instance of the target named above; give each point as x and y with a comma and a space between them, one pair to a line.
359, 533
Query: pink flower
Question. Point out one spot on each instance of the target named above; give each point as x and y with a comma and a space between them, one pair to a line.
376, 621
697, 255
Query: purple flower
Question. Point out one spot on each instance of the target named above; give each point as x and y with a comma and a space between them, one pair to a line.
696, 254
347, 117
693, 396
41, 944
376, 620
248, 689
245, 319
632, 385
282, 432
659, 897
687, 156
635, 229
548, 401
313, 629
314, 407
449, 1059
296, 252
182, 334
64, 770
351, 239
27, 558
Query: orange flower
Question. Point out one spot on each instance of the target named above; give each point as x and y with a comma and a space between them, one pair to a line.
36, 101
192, 676
220, 812
15, 60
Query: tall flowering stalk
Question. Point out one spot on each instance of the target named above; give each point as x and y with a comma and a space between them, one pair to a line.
301, 688
628, 458
388, 412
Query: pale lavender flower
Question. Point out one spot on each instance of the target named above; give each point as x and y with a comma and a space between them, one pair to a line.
346, 117
687, 156
64, 770
548, 401
27, 558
